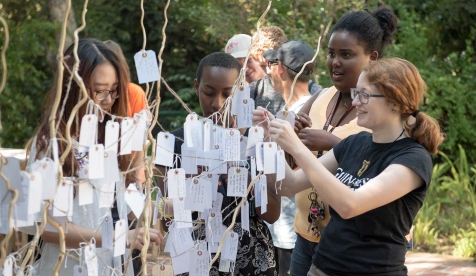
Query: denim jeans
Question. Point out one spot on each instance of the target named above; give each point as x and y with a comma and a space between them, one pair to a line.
301, 259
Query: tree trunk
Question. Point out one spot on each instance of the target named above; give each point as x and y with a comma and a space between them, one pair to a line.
57, 11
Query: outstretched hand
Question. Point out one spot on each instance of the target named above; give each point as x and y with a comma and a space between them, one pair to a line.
261, 117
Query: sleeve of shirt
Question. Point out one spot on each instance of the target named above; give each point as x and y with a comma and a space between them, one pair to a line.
339, 148
419, 160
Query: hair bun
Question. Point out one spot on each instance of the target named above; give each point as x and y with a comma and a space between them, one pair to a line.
388, 22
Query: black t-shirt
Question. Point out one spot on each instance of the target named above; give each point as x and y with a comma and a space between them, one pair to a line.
373, 243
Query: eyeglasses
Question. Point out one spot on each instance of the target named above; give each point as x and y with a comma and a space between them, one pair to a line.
271, 63
102, 94
363, 97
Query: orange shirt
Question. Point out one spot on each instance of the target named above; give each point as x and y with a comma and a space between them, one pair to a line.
136, 99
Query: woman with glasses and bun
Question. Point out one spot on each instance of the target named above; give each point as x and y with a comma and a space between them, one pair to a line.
106, 85
375, 183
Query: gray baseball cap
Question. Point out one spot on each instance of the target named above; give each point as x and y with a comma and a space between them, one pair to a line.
292, 54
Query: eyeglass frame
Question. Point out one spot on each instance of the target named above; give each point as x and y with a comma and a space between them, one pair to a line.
109, 92
354, 92
271, 63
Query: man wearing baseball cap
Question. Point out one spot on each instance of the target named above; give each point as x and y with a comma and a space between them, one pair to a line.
238, 47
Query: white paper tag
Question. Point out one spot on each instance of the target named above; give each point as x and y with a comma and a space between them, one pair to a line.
196, 195
245, 216
139, 134
208, 140
213, 179
90, 257
237, 181
96, 161
182, 240
21, 205
258, 193
216, 164
164, 151
245, 113
112, 136
120, 236
156, 214
193, 131
224, 265
106, 195
134, 199
88, 132
270, 149
85, 193
111, 168
180, 261
198, 263
127, 127
49, 177
260, 156
146, 66
231, 145
230, 247
255, 135
182, 217
107, 232
80, 270
237, 100
8, 266
34, 201
189, 160
176, 183
290, 116
281, 165
63, 202
253, 168
264, 194
162, 270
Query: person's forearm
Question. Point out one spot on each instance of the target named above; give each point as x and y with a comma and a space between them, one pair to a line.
75, 235
273, 208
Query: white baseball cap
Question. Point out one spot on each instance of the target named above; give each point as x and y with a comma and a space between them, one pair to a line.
238, 45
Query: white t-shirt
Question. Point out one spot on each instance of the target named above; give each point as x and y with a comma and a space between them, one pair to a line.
296, 107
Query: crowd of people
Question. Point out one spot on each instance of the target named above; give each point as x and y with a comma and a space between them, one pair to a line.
357, 171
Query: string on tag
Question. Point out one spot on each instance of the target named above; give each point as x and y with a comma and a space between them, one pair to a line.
78, 251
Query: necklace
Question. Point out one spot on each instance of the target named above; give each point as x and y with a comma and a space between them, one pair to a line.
346, 104
366, 164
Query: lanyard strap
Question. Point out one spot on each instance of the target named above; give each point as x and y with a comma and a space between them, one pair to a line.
331, 116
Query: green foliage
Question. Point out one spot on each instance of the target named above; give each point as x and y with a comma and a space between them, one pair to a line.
465, 245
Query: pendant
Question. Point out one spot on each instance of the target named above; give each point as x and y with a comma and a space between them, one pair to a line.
365, 165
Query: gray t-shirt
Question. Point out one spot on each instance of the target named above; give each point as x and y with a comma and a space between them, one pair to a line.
262, 92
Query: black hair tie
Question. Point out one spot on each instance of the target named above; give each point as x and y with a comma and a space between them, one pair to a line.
415, 113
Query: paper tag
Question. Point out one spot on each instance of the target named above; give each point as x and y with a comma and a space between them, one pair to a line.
269, 150
176, 183
96, 161
85, 193
164, 151
216, 164
237, 182
230, 247
208, 140
189, 160
258, 193
107, 232
193, 131
213, 179
112, 136
88, 132
34, 201
111, 168
245, 216
146, 66
21, 205
106, 195
224, 265
182, 240
198, 263
139, 134
127, 127
182, 217
255, 135
281, 165
237, 100
80, 270
63, 202
231, 145
180, 261
162, 270
290, 116
259, 156
134, 200
49, 177
158, 198
196, 195
8, 266
90, 258
253, 167
264, 194
245, 113
120, 235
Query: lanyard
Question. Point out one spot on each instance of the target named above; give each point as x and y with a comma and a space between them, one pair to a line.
331, 116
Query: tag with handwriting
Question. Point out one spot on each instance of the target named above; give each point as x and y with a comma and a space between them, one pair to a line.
216, 164
198, 263
85, 193
120, 236
230, 247
107, 232
193, 131
255, 135
258, 192
106, 195
164, 151
264, 194
134, 200
112, 136
231, 145
196, 195
146, 66
260, 156
245, 113
176, 183
281, 165
224, 265
96, 161
189, 160
182, 217
90, 258
182, 240
88, 132
237, 181
63, 202
127, 127
269, 150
